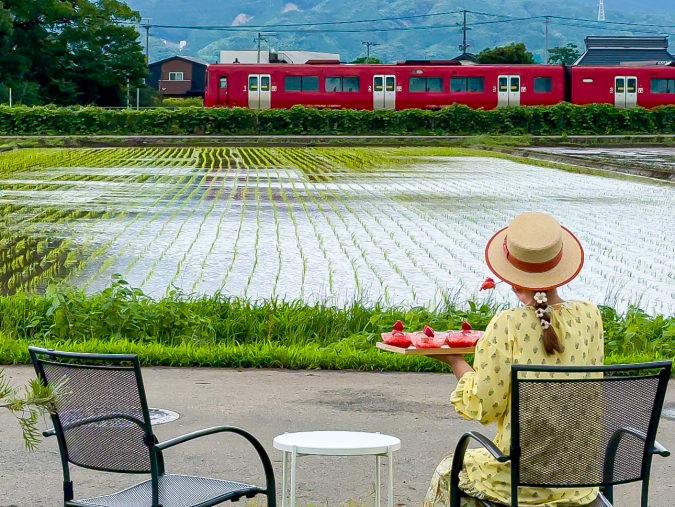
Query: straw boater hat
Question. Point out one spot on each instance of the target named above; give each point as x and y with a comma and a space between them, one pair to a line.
535, 252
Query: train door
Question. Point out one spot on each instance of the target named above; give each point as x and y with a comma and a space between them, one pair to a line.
625, 91
384, 92
259, 91
508, 91
222, 91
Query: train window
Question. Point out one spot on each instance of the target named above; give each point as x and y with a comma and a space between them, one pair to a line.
515, 84
426, 84
379, 83
342, 84
434, 84
253, 83
467, 84
389, 83
310, 84
264, 83
620, 85
632, 85
351, 84
223, 82
503, 84
301, 83
663, 85
543, 85
293, 83
475, 84
418, 84
333, 84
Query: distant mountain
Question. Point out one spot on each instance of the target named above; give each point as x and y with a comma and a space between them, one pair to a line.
404, 40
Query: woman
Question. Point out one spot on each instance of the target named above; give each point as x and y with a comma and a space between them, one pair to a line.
535, 255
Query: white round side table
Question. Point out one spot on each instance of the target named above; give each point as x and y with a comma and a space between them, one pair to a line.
336, 443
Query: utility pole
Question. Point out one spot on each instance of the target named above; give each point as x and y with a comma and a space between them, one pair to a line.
147, 39
547, 19
263, 37
464, 46
601, 11
368, 46
464, 34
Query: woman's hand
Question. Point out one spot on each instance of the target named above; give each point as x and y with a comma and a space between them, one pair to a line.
456, 361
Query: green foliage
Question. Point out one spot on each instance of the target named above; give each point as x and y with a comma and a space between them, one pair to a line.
564, 118
567, 54
183, 102
35, 401
365, 59
222, 331
513, 53
68, 52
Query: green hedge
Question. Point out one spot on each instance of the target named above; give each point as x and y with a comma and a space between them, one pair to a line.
454, 120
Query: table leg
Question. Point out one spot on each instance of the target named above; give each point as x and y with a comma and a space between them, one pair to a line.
294, 460
377, 482
284, 480
390, 493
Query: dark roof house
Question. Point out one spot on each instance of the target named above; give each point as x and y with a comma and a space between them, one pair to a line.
626, 51
178, 76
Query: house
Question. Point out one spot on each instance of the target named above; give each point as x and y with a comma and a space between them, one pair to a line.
251, 56
178, 76
626, 51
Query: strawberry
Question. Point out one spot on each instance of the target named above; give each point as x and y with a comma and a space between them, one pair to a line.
428, 331
398, 326
466, 326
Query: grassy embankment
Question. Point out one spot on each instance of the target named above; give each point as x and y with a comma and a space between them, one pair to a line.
229, 332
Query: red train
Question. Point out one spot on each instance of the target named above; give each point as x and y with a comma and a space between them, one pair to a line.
432, 85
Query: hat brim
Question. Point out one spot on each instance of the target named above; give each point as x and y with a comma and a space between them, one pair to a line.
566, 270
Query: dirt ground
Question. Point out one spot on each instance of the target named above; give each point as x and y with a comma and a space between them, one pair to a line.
413, 407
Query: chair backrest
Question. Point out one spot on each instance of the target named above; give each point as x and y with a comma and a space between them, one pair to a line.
102, 420
585, 426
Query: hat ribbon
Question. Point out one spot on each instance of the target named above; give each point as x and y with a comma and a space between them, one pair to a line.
532, 267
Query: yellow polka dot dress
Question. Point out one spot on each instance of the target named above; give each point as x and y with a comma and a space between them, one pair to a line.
515, 337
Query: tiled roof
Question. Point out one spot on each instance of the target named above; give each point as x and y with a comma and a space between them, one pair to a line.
593, 41
188, 58
619, 56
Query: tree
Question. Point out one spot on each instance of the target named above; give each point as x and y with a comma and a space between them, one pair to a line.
36, 400
365, 59
70, 51
567, 54
513, 53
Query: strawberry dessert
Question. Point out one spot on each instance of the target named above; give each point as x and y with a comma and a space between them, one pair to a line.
428, 339
397, 337
467, 337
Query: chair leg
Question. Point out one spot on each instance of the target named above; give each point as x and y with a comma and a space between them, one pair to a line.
284, 480
390, 491
608, 491
645, 491
378, 485
68, 494
294, 462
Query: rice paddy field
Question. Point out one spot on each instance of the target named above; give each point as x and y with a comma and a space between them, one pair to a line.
399, 226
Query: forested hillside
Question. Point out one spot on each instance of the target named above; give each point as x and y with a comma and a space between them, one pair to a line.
402, 38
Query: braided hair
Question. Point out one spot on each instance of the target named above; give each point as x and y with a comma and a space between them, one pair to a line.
551, 341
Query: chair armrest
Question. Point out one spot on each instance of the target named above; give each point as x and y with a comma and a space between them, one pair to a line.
264, 458
458, 461
656, 449
49, 433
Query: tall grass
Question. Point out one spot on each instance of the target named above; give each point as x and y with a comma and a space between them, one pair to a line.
182, 330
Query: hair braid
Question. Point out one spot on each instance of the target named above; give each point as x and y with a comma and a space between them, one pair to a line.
551, 341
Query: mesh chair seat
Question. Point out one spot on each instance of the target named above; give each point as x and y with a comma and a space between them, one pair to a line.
174, 491
601, 501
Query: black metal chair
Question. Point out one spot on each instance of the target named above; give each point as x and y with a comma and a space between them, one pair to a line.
608, 438
102, 423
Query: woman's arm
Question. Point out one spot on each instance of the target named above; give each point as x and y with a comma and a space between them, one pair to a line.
458, 364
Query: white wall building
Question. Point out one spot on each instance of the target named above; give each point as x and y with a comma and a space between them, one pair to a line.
251, 56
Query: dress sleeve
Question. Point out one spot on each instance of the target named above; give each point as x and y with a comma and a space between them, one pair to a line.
483, 395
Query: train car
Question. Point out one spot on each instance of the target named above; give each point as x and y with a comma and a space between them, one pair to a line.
424, 85
624, 86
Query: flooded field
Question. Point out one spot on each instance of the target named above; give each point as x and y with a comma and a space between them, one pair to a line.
650, 157
397, 225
